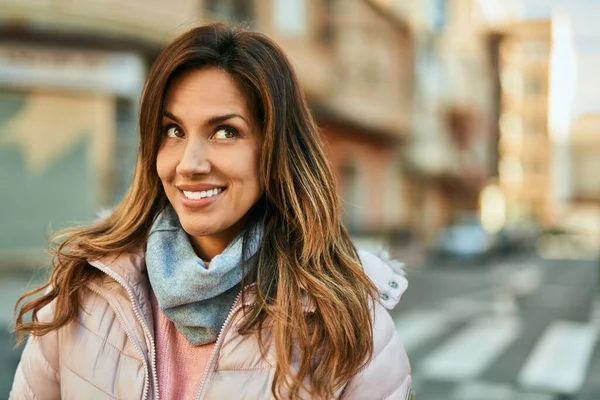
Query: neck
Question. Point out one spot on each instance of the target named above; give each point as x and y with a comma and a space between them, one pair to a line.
208, 246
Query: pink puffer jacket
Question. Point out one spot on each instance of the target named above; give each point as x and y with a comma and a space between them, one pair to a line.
109, 352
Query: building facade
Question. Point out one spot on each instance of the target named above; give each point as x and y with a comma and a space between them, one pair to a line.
582, 216
71, 75
70, 78
451, 153
524, 145
364, 111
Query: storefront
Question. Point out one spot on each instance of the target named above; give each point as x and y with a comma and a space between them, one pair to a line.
67, 138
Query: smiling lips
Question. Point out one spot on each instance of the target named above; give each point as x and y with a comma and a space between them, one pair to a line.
201, 194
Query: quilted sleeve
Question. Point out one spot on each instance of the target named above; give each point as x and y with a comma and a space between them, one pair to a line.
387, 374
36, 377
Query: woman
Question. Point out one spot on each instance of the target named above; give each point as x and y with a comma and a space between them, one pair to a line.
225, 273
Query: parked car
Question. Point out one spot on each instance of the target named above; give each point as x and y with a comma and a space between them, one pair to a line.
466, 239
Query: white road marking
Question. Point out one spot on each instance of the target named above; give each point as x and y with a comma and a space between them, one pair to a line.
595, 314
560, 359
419, 327
478, 390
467, 354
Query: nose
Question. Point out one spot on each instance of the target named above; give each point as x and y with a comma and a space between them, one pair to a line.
195, 159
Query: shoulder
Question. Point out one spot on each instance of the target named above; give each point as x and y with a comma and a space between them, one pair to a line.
387, 374
90, 304
387, 275
96, 326
384, 329
389, 353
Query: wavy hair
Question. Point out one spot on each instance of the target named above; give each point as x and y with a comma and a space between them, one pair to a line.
306, 253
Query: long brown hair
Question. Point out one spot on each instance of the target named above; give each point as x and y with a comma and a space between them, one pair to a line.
306, 251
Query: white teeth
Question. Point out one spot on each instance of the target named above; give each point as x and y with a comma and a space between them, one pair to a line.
202, 194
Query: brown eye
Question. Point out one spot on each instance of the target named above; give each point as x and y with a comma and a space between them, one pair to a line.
225, 133
173, 132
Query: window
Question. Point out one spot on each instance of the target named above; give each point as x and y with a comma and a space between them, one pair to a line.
534, 126
289, 17
511, 125
511, 80
326, 30
125, 147
372, 75
533, 86
351, 193
536, 51
237, 10
438, 14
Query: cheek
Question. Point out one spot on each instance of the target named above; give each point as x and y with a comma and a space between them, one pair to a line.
243, 166
253, 172
166, 163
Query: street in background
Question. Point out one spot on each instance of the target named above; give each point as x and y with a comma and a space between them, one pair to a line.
464, 136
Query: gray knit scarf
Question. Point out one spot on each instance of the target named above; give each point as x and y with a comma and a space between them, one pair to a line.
197, 299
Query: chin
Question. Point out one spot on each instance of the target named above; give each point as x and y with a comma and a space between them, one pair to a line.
199, 229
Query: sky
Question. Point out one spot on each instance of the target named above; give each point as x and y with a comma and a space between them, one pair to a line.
585, 20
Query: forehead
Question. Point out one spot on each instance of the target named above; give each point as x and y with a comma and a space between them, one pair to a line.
205, 91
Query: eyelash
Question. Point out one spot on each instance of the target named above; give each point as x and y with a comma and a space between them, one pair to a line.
227, 128
165, 129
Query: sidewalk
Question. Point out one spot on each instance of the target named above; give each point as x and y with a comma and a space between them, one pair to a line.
13, 283
26, 261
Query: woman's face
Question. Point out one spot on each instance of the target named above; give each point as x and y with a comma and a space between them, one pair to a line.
208, 161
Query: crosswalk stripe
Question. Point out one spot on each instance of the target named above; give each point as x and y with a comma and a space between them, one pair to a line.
477, 390
560, 358
595, 314
467, 354
422, 326
419, 327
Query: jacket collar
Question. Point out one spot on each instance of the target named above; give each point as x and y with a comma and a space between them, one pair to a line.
129, 265
126, 288
129, 269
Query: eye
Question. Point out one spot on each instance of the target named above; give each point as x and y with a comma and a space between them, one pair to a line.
173, 131
224, 133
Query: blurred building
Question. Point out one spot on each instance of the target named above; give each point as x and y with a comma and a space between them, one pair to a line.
585, 151
452, 151
535, 65
524, 164
583, 215
421, 104
70, 79
355, 62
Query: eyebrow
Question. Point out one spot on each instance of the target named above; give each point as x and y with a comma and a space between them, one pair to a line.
214, 120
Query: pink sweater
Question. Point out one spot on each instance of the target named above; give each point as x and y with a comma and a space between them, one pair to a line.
179, 364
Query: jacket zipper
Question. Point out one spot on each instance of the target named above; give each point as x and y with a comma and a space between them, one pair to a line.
130, 337
122, 282
213, 355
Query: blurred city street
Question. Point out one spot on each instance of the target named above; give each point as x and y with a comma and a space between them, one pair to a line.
464, 137
12, 285
514, 327
517, 327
